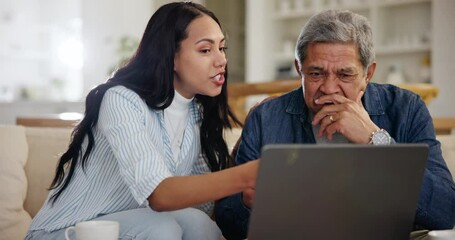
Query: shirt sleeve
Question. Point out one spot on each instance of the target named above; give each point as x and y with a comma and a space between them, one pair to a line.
201, 167
250, 144
436, 207
124, 120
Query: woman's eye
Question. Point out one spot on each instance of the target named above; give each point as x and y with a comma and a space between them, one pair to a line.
223, 49
205, 50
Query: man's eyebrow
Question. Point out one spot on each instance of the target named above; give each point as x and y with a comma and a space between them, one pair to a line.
314, 68
347, 70
209, 40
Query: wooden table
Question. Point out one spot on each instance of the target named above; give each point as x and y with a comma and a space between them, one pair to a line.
65, 120
425, 90
238, 92
444, 125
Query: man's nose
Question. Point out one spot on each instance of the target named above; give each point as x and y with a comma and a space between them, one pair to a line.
330, 85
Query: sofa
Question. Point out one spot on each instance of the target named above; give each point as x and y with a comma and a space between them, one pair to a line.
28, 156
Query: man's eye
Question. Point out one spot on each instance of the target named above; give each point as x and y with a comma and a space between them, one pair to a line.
347, 77
316, 74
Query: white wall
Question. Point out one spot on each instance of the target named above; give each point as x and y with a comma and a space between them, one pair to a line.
32, 34
443, 58
104, 23
259, 57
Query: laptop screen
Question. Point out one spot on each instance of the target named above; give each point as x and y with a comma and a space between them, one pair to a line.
339, 191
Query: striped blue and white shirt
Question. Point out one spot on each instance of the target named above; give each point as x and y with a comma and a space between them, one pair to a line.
131, 156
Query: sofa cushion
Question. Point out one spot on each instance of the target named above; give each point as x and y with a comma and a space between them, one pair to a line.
45, 147
448, 151
14, 220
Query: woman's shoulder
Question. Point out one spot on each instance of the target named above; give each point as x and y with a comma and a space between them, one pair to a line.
122, 92
123, 96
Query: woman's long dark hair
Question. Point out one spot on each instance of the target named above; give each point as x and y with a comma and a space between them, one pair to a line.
150, 74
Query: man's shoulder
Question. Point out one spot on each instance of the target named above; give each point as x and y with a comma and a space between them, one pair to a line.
390, 93
282, 102
391, 89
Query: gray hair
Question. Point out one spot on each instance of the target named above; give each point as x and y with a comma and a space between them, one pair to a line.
332, 26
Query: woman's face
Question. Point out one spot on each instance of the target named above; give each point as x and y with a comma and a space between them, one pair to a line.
200, 63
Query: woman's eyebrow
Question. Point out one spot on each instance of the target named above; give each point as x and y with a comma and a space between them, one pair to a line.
209, 40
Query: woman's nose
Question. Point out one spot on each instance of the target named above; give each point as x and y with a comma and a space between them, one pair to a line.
221, 60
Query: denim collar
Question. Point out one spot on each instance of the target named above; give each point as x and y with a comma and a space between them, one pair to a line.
371, 101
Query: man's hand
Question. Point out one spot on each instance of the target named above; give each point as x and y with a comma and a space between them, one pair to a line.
344, 116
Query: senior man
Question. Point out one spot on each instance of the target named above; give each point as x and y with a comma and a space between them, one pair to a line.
337, 103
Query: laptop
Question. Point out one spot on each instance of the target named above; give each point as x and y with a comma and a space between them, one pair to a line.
337, 191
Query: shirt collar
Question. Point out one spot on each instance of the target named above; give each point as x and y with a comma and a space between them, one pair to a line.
180, 102
372, 101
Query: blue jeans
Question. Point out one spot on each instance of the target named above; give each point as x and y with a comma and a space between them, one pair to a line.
144, 223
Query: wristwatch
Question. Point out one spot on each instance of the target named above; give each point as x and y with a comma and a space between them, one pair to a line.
380, 137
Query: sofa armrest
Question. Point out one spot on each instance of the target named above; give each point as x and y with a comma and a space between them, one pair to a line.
14, 220
45, 147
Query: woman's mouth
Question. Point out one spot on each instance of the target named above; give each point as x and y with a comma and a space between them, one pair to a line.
218, 79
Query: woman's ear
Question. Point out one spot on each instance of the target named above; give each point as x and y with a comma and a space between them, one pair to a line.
176, 56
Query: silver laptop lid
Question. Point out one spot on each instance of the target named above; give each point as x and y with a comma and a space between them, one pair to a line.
339, 191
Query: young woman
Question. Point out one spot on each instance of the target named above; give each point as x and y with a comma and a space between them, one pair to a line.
150, 137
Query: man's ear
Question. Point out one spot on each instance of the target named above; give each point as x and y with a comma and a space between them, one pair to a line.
297, 68
370, 71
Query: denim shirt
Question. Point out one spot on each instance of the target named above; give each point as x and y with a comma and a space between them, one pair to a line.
402, 113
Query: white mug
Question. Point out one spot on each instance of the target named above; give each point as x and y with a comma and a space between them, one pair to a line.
94, 230
442, 234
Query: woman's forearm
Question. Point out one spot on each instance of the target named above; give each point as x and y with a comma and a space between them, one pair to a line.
180, 192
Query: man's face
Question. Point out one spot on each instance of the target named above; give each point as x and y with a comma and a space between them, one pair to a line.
333, 68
